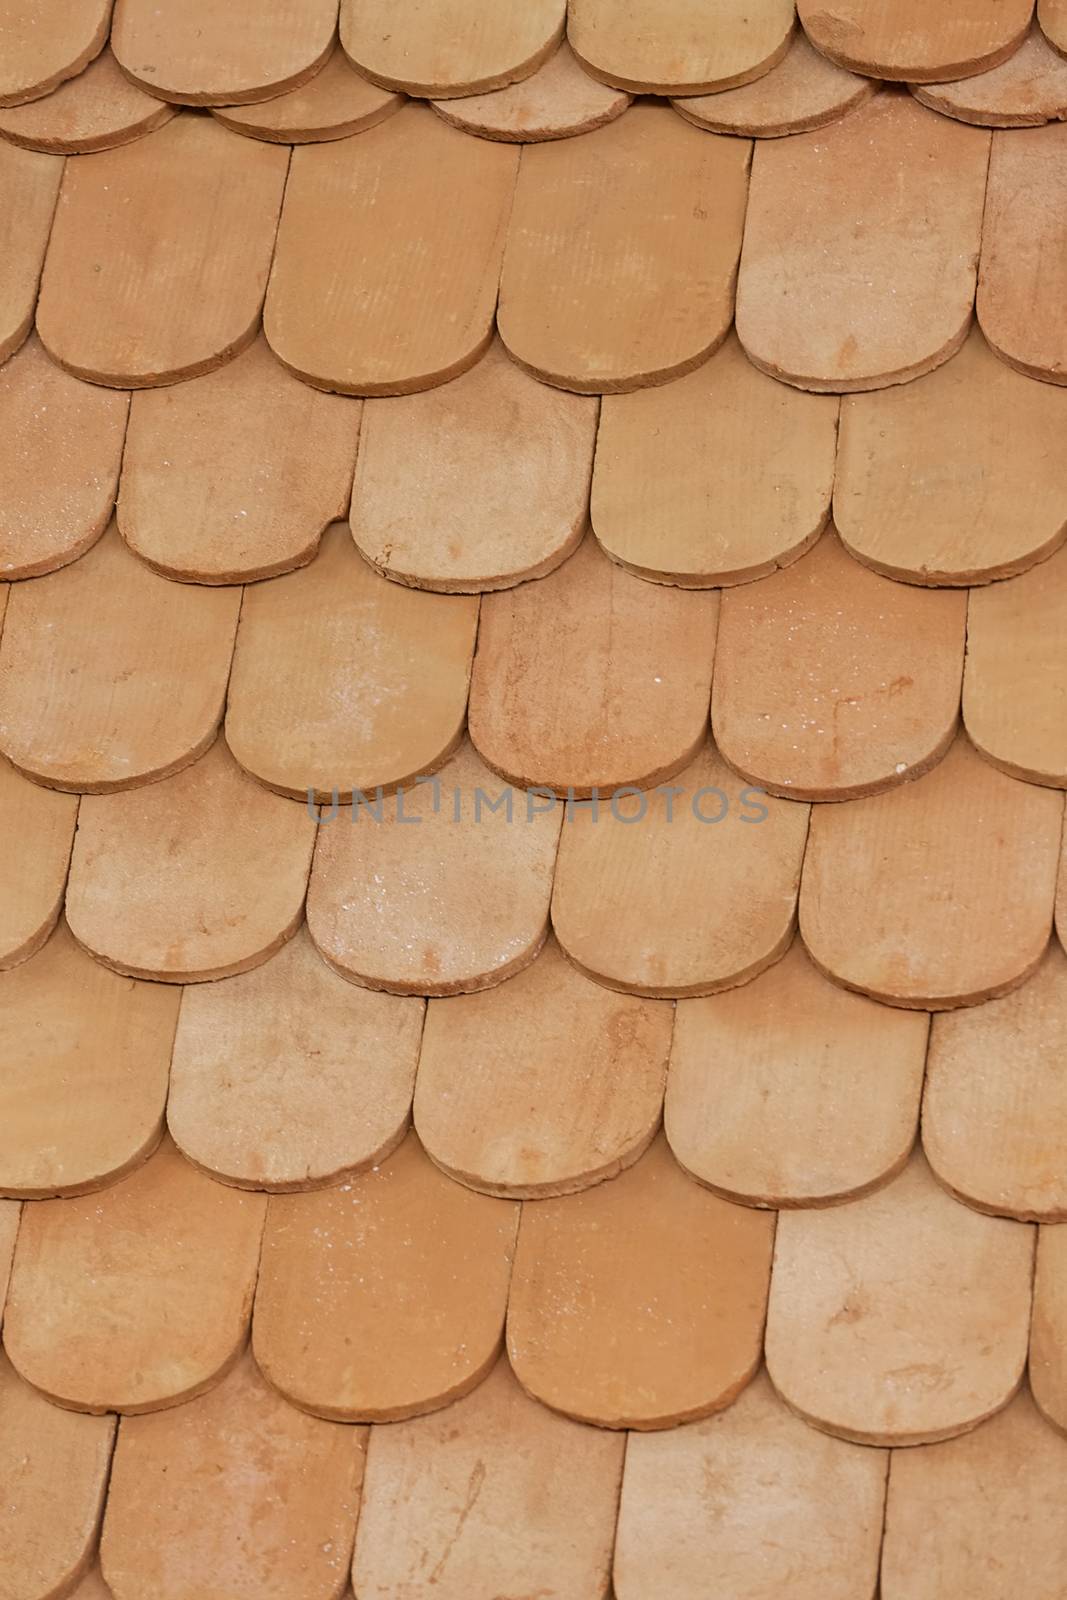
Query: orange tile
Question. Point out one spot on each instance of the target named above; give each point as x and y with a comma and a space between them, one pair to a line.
336, 102
938, 893
159, 255
622, 253
639, 1303
981, 1515
388, 258
456, 47
200, 876
679, 46
110, 676
236, 474
460, 905
542, 1086
289, 1078
477, 484
10, 1211
86, 1059
92, 1587
97, 110
907, 39
200, 55
53, 1475
790, 1092
383, 1298
804, 91
717, 478
831, 681
1048, 1335
60, 447
29, 184
1052, 15
591, 678
32, 877
687, 892
558, 101
900, 1318
342, 680
137, 1297
44, 45
954, 479
1026, 90
235, 1493
754, 1496
995, 1105
1023, 280
860, 246
495, 1496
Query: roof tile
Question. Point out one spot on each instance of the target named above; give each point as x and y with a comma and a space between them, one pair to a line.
558, 101
10, 1211
1023, 281
1048, 1336
29, 184
911, 40
1052, 15
679, 46
804, 91
457, 47
32, 877
1026, 90
336, 102
97, 110
44, 44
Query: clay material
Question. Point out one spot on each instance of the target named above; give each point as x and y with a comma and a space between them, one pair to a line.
909, 40
804, 91
455, 47
679, 46
1023, 275
559, 100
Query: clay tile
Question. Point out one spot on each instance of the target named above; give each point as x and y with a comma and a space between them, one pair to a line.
542, 1086
53, 1474
443, 889
343, 681
754, 1496
111, 676
1026, 90
1052, 15
639, 1303
139, 1296
236, 1492
860, 247
235, 474
457, 47
388, 259
831, 681
717, 478
200, 876
92, 1587
475, 485
592, 678
995, 1105
804, 91
159, 254
981, 1515
97, 110
289, 1078
558, 101
901, 1317
683, 892
910, 40
790, 1092
495, 1496
32, 877
938, 893
956, 478
679, 46
45, 44
85, 1059
383, 1298
10, 1211
336, 102
622, 253
201, 55
29, 184
1048, 1335
60, 447
1023, 280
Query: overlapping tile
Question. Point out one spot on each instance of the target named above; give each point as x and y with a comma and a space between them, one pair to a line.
60, 448
1026, 90
622, 253
1022, 281
717, 478
558, 101
44, 45
97, 110
29, 184
459, 47
861, 243
679, 47
591, 679
906, 39
899, 1318
235, 474
287, 1077
33, 874
1052, 16
790, 1092
542, 1086
1048, 1335
10, 1211
804, 91
336, 102
495, 490
166, 1240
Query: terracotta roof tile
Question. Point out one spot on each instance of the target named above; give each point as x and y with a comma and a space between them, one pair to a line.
10, 1211
1021, 284
911, 40
43, 45
1052, 15
336, 102
558, 101
679, 45
97, 110
29, 184
1048, 1336
458, 47
1027, 89
804, 91
33, 875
